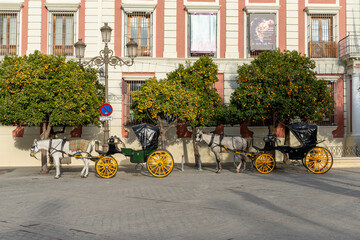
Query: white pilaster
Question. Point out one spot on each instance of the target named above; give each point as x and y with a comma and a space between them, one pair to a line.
34, 29
232, 29
170, 29
292, 25
355, 104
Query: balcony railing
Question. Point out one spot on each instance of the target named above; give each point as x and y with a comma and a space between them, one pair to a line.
349, 45
323, 49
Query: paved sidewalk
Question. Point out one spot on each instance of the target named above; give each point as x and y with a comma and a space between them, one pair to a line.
289, 203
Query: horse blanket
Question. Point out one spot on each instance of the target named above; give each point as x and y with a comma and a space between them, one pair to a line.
79, 145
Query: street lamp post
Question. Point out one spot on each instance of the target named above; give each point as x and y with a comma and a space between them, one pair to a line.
106, 58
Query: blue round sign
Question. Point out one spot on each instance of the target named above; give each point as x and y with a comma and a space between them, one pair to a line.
106, 109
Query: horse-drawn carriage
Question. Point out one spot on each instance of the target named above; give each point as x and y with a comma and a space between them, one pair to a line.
159, 162
315, 159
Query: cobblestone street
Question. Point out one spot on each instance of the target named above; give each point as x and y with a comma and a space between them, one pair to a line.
289, 203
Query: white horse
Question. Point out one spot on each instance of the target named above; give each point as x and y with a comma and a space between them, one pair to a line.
59, 148
216, 142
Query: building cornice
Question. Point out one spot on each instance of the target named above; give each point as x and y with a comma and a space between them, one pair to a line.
138, 6
256, 8
322, 9
64, 5
11, 5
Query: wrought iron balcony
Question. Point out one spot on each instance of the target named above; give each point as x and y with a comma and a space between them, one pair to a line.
322, 49
349, 46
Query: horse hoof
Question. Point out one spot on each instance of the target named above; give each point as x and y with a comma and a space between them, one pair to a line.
56, 177
218, 172
237, 171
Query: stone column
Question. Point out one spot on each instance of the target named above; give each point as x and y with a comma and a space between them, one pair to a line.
355, 104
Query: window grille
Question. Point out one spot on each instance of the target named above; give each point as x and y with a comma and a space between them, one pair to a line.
202, 34
139, 27
62, 37
8, 33
322, 37
129, 87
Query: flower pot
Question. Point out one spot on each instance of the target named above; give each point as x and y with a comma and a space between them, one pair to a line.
182, 131
18, 132
219, 129
76, 132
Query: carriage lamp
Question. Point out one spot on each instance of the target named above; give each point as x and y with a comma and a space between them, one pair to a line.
106, 57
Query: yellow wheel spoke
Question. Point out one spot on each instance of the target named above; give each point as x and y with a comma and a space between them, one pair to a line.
160, 163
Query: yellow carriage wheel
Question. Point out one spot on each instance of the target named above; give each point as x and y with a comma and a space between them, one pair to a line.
106, 167
264, 163
318, 160
160, 163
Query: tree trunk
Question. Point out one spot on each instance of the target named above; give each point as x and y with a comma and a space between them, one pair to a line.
272, 131
45, 130
286, 159
195, 146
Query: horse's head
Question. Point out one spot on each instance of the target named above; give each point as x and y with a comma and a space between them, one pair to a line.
199, 134
34, 149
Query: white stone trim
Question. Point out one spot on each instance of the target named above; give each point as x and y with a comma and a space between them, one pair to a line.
202, 7
261, 7
138, 6
11, 5
136, 78
329, 78
64, 5
322, 9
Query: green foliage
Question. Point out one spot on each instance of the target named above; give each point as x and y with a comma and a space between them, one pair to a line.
161, 99
281, 85
187, 94
45, 88
198, 78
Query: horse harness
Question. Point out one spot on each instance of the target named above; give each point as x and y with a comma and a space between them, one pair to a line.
220, 145
55, 150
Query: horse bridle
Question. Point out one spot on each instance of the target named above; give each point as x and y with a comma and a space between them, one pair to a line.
32, 151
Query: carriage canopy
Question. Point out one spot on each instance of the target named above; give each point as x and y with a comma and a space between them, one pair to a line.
148, 135
305, 132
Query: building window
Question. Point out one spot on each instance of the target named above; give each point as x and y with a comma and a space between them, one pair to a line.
262, 32
128, 88
139, 27
8, 33
62, 34
203, 30
322, 42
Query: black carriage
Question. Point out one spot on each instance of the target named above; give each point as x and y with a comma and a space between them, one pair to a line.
159, 162
315, 159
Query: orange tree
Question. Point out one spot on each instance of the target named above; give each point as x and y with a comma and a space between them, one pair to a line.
46, 91
278, 86
198, 78
162, 103
187, 94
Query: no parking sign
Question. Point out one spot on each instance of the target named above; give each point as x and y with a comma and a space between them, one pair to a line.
106, 109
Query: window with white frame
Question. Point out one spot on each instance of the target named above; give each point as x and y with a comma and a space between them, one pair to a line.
203, 34
139, 27
129, 87
62, 33
261, 32
322, 36
8, 33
